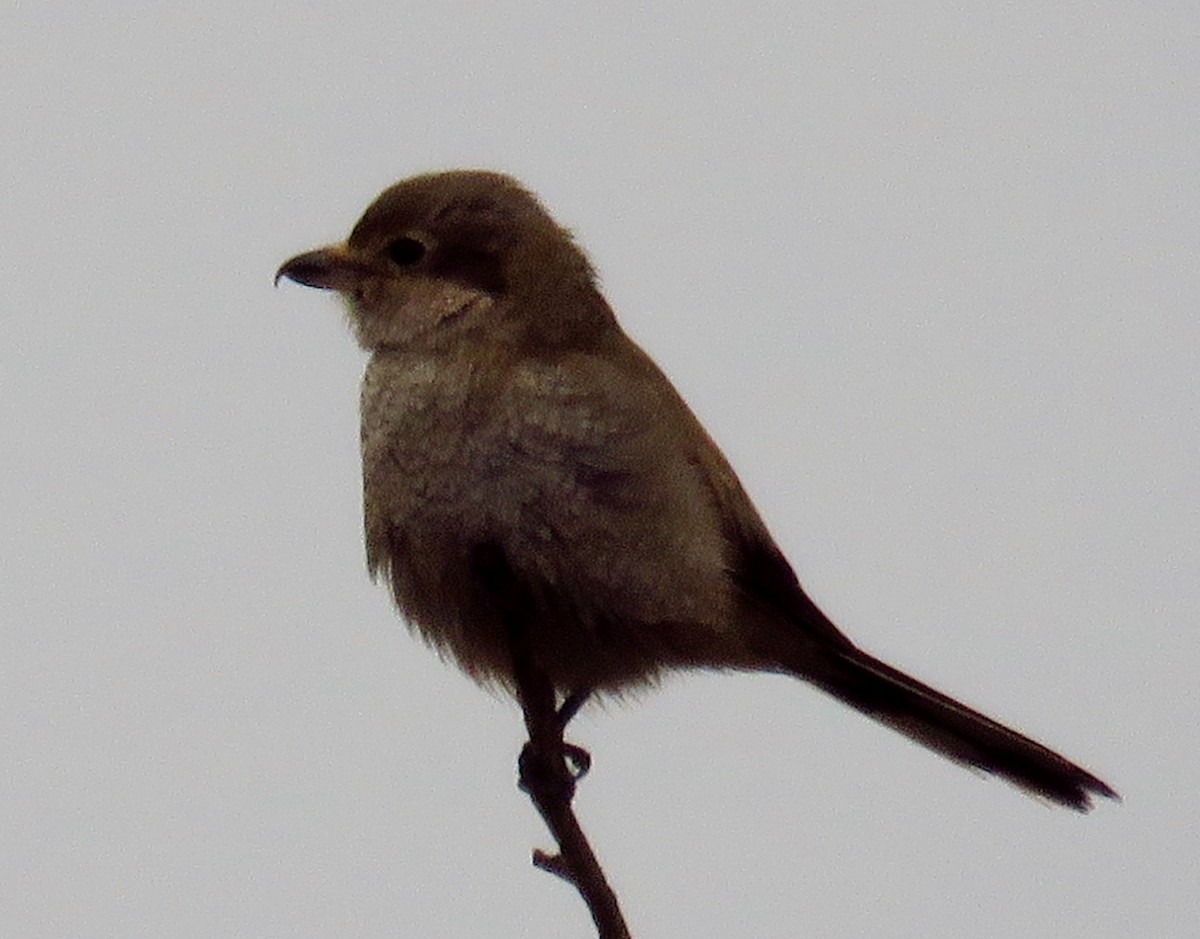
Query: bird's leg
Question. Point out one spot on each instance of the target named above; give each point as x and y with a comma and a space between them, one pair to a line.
579, 758
542, 767
571, 705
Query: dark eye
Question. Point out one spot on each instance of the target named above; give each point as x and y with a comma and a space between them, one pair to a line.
406, 251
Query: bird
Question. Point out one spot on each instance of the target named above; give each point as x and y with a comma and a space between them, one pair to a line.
523, 458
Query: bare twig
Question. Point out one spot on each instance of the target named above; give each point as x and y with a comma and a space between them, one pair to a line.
545, 766
550, 782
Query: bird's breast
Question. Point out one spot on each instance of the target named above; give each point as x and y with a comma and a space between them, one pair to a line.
585, 500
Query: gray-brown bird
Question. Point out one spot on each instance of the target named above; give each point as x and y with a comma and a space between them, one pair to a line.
517, 444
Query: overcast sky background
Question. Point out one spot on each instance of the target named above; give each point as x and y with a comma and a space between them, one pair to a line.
929, 274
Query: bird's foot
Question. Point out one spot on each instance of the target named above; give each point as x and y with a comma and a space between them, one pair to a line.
554, 773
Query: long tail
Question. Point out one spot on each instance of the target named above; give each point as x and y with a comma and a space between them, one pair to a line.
952, 729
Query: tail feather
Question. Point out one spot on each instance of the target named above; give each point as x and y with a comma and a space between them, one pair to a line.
952, 729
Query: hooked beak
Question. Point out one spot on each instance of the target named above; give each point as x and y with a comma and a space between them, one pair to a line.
331, 268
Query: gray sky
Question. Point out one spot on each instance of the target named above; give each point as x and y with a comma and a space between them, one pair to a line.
928, 275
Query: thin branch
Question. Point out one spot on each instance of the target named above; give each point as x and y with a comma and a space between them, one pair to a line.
545, 765
550, 782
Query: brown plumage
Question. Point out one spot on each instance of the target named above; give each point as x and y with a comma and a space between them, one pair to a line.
515, 441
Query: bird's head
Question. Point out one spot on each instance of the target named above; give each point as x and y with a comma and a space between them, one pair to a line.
444, 253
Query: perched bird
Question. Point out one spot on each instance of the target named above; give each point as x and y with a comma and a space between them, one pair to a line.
521, 453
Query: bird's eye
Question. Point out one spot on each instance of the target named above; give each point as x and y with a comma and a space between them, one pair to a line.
406, 251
